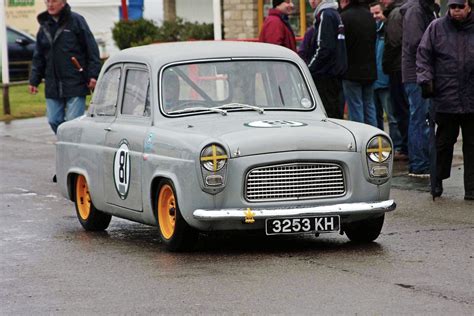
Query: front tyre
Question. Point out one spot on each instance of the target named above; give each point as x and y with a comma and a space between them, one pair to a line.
90, 218
364, 231
175, 233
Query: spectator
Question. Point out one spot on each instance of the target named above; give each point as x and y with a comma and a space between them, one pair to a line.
417, 15
276, 29
64, 34
445, 71
360, 33
392, 66
324, 50
381, 85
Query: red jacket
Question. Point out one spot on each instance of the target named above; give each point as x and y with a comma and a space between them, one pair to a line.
277, 31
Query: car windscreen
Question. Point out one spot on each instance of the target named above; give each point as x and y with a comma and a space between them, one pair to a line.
233, 85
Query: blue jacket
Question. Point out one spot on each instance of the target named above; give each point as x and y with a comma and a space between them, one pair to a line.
382, 79
324, 47
56, 43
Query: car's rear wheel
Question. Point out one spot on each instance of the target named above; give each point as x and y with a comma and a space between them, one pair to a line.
365, 230
89, 216
176, 234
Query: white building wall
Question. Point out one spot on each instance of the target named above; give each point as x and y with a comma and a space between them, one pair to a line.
195, 10
153, 10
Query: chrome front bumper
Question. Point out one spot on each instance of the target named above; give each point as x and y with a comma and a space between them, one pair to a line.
336, 209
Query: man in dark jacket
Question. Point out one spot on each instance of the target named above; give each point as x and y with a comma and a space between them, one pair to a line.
276, 28
392, 66
360, 33
417, 15
324, 50
62, 35
445, 71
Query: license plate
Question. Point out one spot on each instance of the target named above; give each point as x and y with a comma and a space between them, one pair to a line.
298, 225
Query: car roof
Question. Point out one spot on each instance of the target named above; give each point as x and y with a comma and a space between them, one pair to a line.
165, 53
25, 34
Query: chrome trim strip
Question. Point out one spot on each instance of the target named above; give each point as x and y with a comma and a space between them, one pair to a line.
261, 213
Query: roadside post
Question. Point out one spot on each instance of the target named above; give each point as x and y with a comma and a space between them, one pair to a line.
4, 48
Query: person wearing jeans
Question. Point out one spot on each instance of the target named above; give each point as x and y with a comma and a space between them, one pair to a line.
64, 109
64, 34
360, 101
417, 15
418, 131
360, 35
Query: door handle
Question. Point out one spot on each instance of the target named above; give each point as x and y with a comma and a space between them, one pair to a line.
108, 129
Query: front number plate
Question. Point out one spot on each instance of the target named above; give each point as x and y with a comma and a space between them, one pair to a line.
298, 225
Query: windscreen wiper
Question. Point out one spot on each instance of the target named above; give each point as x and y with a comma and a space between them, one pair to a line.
199, 109
236, 105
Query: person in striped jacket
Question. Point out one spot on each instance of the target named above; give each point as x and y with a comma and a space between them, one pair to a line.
324, 50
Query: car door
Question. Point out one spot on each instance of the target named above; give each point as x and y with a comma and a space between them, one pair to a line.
99, 117
125, 141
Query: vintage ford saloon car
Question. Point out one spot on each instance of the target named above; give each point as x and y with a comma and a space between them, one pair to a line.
208, 136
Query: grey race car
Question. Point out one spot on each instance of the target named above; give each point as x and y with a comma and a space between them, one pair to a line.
205, 136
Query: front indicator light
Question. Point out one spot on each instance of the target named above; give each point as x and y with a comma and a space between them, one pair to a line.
379, 171
379, 149
214, 180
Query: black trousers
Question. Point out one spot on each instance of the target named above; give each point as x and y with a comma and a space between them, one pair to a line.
401, 109
446, 136
329, 90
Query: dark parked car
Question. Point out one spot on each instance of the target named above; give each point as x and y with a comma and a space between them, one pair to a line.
20, 53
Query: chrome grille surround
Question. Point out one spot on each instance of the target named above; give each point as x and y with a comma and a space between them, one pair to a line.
295, 181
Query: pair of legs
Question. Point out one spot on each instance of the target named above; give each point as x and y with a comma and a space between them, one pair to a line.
400, 109
64, 109
360, 101
383, 104
446, 136
329, 90
418, 130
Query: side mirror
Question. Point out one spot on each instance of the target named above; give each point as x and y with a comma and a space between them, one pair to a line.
22, 41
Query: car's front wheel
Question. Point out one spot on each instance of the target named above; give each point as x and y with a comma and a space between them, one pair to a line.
176, 234
90, 218
365, 230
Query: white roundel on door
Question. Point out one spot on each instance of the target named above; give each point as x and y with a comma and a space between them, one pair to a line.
122, 169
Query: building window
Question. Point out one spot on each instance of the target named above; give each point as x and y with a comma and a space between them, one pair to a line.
300, 19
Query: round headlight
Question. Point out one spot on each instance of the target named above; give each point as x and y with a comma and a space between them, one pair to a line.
213, 158
379, 149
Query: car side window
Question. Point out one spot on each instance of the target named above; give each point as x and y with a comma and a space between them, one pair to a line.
136, 100
104, 101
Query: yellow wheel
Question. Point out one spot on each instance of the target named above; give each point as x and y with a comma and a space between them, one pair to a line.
90, 218
83, 199
175, 233
167, 211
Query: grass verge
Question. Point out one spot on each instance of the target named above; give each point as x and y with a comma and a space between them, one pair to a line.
25, 105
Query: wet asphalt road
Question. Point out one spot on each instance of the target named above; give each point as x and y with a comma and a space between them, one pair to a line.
421, 264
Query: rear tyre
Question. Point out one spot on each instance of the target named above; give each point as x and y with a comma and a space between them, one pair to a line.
90, 218
364, 231
175, 233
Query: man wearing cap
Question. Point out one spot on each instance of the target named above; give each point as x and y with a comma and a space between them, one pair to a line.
276, 29
445, 72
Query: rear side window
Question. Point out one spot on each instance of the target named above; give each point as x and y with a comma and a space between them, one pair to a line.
104, 102
136, 100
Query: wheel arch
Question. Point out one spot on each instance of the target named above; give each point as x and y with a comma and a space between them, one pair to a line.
71, 181
154, 187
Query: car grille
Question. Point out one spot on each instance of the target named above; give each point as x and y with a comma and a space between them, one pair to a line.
294, 181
